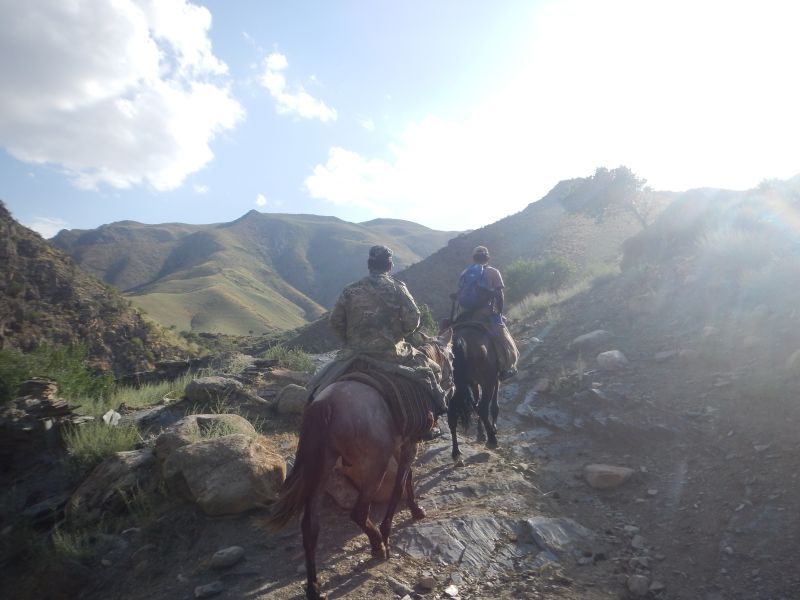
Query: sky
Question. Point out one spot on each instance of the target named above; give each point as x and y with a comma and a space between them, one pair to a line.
449, 113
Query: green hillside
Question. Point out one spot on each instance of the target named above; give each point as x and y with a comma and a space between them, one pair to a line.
259, 273
46, 300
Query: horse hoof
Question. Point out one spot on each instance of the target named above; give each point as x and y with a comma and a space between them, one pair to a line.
492, 444
458, 462
313, 593
418, 513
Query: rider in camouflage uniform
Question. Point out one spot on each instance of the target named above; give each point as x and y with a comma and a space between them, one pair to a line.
372, 317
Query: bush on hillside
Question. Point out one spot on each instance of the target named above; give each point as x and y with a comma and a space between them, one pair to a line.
610, 192
293, 359
427, 326
536, 276
66, 365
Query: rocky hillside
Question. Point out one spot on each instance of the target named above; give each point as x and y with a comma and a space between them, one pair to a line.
259, 273
46, 298
563, 224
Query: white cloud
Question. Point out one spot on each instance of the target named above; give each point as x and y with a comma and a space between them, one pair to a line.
685, 94
368, 124
200, 189
291, 99
112, 91
47, 227
262, 201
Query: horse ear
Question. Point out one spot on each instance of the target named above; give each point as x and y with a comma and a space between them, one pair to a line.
446, 337
425, 337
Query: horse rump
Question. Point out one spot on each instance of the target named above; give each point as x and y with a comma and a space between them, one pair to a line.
306, 472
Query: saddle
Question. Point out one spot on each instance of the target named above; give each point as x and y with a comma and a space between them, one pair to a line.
408, 401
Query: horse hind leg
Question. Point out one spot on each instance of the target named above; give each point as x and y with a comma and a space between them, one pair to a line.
491, 423
360, 513
479, 393
407, 454
417, 512
452, 423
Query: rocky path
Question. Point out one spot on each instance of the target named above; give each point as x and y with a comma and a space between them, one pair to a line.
698, 505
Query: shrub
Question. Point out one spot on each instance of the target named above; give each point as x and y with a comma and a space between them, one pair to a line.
535, 276
91, 443
290, 358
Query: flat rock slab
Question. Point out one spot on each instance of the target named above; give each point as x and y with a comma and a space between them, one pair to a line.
480, 543
488, 544
561, 536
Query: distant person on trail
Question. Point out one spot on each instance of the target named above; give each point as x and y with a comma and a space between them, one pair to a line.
372, 317
480, 298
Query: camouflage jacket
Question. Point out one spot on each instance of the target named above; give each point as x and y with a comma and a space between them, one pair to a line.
373, 316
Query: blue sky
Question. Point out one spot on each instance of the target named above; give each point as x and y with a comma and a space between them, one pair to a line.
450, 113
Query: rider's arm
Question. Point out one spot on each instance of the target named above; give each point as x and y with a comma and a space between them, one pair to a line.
499, 300
409, 313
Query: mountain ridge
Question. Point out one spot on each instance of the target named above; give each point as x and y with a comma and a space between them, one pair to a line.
261, 272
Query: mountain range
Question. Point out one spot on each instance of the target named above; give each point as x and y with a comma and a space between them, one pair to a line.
260, 273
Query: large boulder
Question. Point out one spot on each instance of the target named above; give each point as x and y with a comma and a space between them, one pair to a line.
292, 400
604, 477
218, 392
226, 475
112, 484
590, 341
612, 360
194, 428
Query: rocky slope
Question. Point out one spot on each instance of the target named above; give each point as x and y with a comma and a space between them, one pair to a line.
259, 273
549, 227
45, 298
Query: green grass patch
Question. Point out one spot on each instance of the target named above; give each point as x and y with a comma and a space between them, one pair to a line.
141, 397
291, 358
72, 545
66, 365
91, 443
548, 301
214, 429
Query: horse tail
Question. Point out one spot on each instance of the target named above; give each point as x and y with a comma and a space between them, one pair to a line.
463, 400
306, 472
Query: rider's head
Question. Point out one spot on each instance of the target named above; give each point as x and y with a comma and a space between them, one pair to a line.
480, 255
380, 259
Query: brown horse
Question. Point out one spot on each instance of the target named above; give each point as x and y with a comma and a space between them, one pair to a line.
351, 420
477, 381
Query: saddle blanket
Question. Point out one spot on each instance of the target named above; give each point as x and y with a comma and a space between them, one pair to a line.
408, 401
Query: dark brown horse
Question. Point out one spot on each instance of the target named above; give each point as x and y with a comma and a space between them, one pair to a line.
477, 381
351, 420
